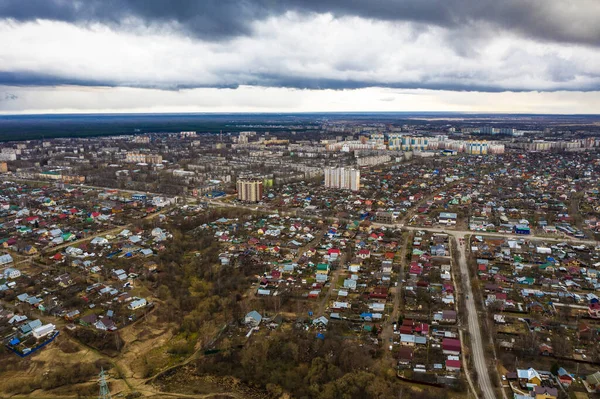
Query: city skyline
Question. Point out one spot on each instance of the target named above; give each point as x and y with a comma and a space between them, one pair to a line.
289, 56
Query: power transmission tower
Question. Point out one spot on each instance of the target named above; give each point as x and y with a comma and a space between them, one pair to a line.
104, 391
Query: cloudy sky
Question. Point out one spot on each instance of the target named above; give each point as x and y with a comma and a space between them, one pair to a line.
293, 55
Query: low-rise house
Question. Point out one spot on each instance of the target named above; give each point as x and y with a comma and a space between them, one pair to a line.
28, 327
405, 355
545, 393
137, 304
105, 324
448, 218
564, 377
253, 318
451, 346
5, 259
453, 365
593, 381
529, 377
99, 241
11, 273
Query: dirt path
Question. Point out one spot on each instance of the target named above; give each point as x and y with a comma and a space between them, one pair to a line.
388, 329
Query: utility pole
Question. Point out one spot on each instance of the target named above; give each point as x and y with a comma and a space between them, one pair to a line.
104, 391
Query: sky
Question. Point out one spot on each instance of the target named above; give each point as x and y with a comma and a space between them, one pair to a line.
521, 56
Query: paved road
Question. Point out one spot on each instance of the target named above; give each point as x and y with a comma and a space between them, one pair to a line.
478, 353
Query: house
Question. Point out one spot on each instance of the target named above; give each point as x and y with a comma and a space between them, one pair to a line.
322, 268
379, 293
522, 229
451, 346
350, 283
546, 350
363, 254
545, 393
447, 218
99, 241
156, 232
593, 381
407, 339
137, 304
105, 324
64, 280
30, 250
88, 320
333, 253
594, 310
146, 252
453, 365
28, 327
564, 377
253, 319
529, 376
449, 316
405, 355
72, 315
438, 250
11, 273
151, 266
5, 259
42, 331
16, 319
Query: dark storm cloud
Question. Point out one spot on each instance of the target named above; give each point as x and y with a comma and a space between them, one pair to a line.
42, 79
468, 26
442, 82
432, 82
557, 20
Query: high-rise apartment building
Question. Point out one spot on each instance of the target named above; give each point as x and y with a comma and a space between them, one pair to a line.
250, 190
344, 178
477, 147
395, 141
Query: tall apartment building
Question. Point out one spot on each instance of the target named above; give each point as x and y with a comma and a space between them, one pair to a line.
413, 143
377, 139
395, 141
250, 190
344, 178
477, 147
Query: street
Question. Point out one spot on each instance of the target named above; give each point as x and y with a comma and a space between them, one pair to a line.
478, 353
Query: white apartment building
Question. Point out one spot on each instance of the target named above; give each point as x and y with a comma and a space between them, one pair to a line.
343, 178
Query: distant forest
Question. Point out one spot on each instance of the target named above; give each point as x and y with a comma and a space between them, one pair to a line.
31, 127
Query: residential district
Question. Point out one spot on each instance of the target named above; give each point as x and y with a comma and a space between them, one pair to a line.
337, 261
